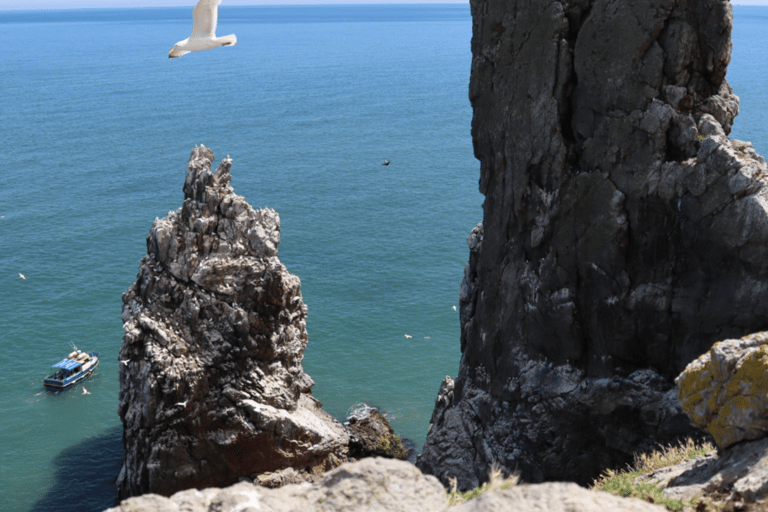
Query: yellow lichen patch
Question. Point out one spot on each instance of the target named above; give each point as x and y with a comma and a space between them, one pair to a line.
725, 391
692, 385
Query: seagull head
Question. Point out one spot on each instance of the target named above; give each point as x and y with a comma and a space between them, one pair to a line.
177, 50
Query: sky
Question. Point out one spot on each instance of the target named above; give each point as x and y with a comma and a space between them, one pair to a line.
79, 4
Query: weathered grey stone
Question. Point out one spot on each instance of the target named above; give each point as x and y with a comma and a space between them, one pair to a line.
725, 391
381, 485
372, 484
212, 387
554, 497
622, 232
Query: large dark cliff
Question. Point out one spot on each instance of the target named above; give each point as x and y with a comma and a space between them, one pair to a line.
623, 233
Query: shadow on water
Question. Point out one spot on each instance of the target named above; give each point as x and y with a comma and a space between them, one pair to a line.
85, 475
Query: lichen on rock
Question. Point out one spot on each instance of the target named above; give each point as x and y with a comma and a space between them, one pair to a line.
725, 391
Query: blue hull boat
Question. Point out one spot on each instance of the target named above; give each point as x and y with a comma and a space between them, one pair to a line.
76, 367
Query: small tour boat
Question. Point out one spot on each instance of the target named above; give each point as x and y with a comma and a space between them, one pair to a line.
77, 366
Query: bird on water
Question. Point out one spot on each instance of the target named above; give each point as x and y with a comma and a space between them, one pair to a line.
204, 19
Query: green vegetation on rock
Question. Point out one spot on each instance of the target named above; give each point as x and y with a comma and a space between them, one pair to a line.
626, 483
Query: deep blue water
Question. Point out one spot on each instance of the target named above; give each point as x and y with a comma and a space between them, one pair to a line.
96, 126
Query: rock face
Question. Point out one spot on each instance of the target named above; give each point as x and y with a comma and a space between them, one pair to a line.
212, 387
623, 232
725, 391
379, 485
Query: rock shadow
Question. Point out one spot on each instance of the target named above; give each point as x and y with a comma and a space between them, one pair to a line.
85, 475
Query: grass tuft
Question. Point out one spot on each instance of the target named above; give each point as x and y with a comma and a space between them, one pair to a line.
496, 482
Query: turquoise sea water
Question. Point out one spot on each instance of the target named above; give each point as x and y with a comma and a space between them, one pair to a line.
96, 126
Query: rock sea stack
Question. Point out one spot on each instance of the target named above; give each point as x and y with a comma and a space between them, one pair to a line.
212, 388
623, 234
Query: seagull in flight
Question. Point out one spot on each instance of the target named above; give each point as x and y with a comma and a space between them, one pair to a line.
125, 361
85, 391
204, 19
182, 404
22, 275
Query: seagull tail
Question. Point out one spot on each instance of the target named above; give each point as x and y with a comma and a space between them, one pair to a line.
230, 40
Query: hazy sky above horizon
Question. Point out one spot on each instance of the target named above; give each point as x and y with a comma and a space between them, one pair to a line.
80, 4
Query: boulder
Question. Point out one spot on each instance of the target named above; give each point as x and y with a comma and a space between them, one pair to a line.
725, 391
372, 435
622, 232
212, 387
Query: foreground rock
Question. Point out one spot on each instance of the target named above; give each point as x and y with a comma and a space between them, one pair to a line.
377, 484
212, 387
368, 485
623, 232
555, 497
725, 391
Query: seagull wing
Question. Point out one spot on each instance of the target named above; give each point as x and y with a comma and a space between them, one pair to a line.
204, 18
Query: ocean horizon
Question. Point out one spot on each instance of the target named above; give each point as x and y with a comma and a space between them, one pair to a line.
98, 125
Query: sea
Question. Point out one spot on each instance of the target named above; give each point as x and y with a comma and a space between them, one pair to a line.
96, 128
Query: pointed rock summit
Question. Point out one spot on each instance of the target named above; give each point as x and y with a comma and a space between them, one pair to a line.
212, 387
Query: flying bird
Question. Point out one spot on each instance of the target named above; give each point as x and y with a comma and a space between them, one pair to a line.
182, 404
407, 335
22, 275
125, 361
386, 162
85, 391
204, 19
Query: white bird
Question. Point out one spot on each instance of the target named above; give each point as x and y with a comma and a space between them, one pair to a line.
454, 307
85, 391
21, 275
407, 335
204, 19
125, 361
182, 404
